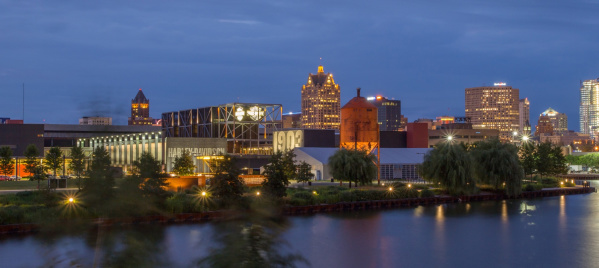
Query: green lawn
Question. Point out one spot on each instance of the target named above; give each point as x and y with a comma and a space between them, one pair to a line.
19, 185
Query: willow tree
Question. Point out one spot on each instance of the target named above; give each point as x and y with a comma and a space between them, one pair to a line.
450, 166
497, 164
353, 166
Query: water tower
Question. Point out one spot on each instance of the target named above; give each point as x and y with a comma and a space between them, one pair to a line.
359, 128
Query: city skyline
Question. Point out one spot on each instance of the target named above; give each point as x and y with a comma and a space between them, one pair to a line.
86, 59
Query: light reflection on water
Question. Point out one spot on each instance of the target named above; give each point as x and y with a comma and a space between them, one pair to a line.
549, 232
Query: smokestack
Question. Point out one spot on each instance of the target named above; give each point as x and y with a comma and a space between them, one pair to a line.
358, 89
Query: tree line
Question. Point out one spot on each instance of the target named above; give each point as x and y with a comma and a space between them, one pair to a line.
460, 167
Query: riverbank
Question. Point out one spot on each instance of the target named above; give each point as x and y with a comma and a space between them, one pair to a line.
311, 209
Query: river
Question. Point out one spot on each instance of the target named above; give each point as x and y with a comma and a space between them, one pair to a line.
558, 231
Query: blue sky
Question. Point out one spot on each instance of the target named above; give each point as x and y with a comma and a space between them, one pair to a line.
88, 58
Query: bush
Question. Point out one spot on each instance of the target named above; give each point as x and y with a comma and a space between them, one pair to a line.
550, 182
532, 187
181, 203
426, 193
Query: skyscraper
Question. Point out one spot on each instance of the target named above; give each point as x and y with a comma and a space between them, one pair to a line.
140, 110
389, 113
559, 121
494, 107
524, 121
321, 101
589, 106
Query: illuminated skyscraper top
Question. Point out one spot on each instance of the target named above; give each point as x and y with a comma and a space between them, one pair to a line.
140, 110
321, 101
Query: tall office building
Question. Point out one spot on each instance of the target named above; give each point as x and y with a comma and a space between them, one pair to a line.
140, 110
544, 126
321, 101
559, 121
389, 113
589, 106
524, 121
494, 107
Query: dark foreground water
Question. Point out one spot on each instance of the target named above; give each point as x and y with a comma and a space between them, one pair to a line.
549, 232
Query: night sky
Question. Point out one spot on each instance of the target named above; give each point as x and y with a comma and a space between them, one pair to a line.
88, 58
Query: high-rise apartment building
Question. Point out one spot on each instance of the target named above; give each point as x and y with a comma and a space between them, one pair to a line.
321, 101
559, 121
494, 107
389, 113
140, 110
589, 106
524, 121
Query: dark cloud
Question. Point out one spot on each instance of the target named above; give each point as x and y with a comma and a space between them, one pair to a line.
81, 57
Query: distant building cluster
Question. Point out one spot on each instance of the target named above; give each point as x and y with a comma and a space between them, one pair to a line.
251, 132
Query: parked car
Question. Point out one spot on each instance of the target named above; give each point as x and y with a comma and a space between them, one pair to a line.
4, 178
66, 177
15, 178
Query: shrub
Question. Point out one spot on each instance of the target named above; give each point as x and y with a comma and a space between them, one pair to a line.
550, 182
181, 203
426, 193
532, 187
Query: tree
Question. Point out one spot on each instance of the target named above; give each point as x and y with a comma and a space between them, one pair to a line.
496, 164
277, 176
304, 172
184, 165
450, 166
289, 165
528, 158
559, 164
98, 189
77, 163
226, 184
32, 165
7, 165
54, 160
353, 165
544, 161
153, 181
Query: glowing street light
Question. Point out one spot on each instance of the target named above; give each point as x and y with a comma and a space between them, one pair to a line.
390, 189
525, 138
450, 138
258, 193
409, 185
71, 200
203, 193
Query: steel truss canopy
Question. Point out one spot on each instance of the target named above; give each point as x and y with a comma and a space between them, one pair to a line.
248, 127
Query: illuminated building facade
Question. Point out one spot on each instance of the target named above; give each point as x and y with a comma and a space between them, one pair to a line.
125, 149
589, 106
95, 120
140, 110
321, 101
247, 127
389, 113
292, 120
494, 107
559, 121
544, 126
524, 121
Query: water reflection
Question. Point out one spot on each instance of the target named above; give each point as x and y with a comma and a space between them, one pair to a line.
513, 233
